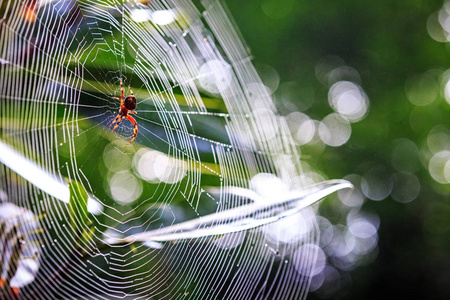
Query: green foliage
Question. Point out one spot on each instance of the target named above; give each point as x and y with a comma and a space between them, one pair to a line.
78, 205
79, 215
388, 43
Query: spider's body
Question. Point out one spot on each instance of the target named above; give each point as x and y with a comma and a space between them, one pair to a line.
127, 107
130, 102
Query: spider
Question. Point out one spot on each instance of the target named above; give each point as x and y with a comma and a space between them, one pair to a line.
126, 107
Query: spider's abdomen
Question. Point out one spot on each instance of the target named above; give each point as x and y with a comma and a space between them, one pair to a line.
130, 102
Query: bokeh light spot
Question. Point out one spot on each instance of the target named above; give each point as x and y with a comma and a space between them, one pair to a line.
309, 260
352, 198
362, 229
406, 187
343, 73
421, 89
334, 130
257, 92
163, 17
144, 161
268, 186
301, 126
281, 231
444, 19
114, 159
215, 76
169, 169
343, 242
439, 167
435, 29
377, 184
140, 15
438, 139
447, 91
125, 187
326, 231
331, 283
269, 76
268, 123
349, 100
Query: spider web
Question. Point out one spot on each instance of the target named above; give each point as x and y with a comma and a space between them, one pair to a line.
187, 209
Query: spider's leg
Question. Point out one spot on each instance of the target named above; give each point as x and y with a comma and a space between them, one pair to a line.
116, 98
132, 112
121, 97
131, 90
118, 116
117, 124
118, 119
135, 128
16, 291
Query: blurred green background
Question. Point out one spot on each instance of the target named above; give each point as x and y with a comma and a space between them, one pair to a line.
398, 49
396, 149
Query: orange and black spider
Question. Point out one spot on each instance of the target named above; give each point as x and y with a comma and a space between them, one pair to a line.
126, 107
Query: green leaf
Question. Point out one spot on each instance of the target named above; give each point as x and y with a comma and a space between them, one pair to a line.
87, 235
78, 206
